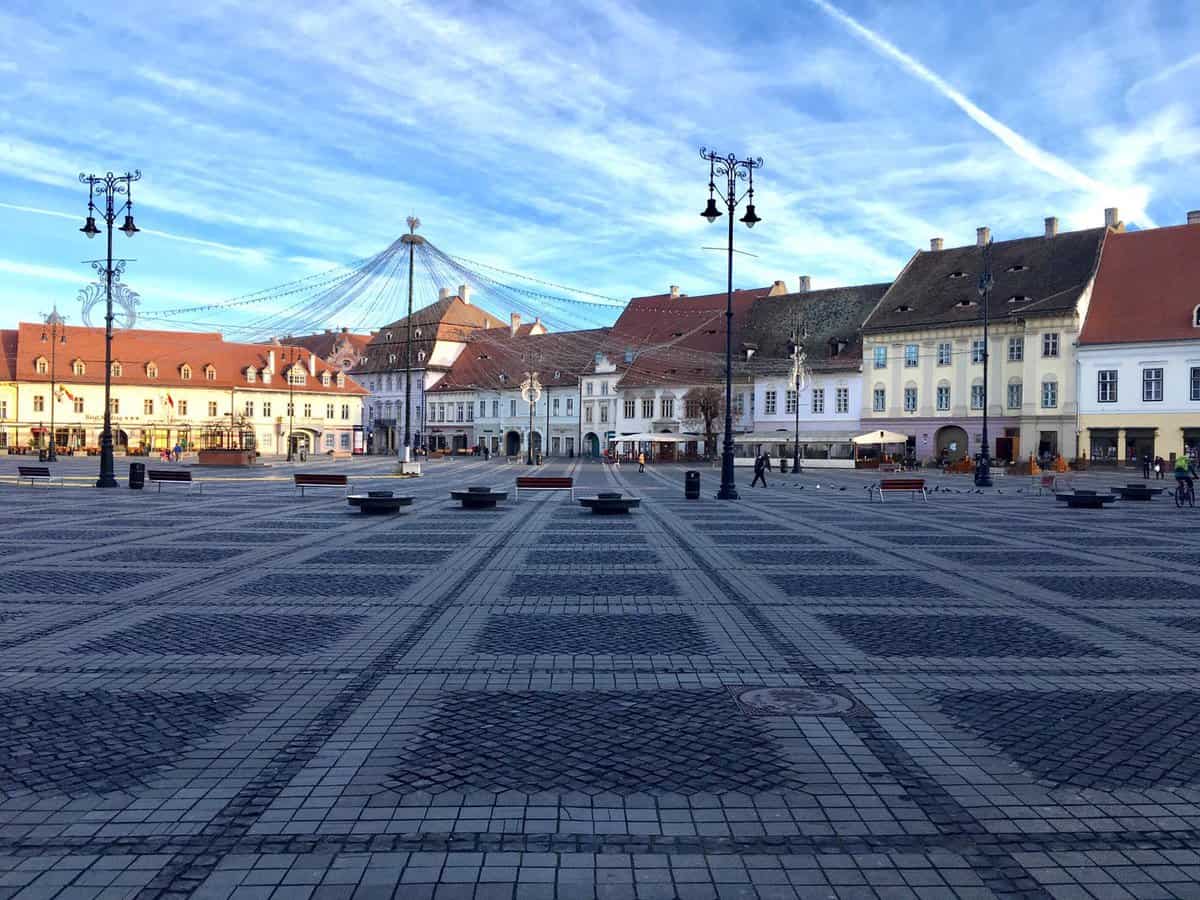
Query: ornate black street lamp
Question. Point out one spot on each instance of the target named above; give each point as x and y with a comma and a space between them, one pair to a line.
800, 379
531, 392
983, 464
733, 169
112, 186
55, 322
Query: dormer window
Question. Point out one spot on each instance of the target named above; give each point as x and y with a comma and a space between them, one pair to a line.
502, 377
296, 376
392, 358
325, 379
557, 374
903, 307
210, 374
152, 370
421, 356
1196, 317
416, 332
116, 369
387, 335
185, 372
676, 334
837, 347
251, 374
341, 379
41, 365
78, 368
1019, 298
1017, 267
964, 303
957, 275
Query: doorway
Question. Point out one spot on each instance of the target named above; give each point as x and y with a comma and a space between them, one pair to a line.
951, 443
512, 444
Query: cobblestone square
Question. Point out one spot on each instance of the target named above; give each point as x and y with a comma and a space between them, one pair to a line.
245, 693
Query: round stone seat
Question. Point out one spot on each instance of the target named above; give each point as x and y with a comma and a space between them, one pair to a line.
478, 497
378, 502
607, 503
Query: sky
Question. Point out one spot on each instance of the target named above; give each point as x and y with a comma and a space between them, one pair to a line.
561, 140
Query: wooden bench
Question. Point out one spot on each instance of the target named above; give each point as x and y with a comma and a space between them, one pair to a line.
171, 476
320, 479
913, 486
545, 483
37, 473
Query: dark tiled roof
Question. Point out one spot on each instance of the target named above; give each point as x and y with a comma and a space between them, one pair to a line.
1147, 288
697, 323
8, 354
828, 316
325, 343
1044, 275
496, 360
449, 319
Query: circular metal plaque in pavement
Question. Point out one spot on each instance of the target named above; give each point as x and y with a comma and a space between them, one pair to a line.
793, 701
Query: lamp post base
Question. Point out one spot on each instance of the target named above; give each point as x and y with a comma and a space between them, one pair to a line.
727, 493
983, 473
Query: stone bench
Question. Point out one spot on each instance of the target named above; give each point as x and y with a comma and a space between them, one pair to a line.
610, 503
478, 497
378, 502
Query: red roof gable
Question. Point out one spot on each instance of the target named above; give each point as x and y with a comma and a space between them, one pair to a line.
697, 323
1146, 288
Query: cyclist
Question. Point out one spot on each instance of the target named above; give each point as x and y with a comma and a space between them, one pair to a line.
1185, 471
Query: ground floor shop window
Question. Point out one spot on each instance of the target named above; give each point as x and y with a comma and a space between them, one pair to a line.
1103, 446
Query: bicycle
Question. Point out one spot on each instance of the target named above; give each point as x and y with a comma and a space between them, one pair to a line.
1184, 493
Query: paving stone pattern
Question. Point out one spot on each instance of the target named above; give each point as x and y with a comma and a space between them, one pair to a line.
279, 697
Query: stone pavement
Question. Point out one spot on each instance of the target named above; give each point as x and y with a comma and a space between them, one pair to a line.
246, 694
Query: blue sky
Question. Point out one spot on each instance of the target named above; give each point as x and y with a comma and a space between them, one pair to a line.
560, 139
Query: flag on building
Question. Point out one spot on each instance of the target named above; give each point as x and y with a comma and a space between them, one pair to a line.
170, 401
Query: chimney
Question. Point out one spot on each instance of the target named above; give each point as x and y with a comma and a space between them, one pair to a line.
1193, 217
936, 244
464, 293
312, 365
1111, 217
983, 236
537, 320
777, 288
345, 329
443, 293
805, 284
514, 322
1051, 226
270, 360
674, 292
329, 331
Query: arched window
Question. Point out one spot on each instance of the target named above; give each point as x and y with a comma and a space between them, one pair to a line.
78, 368
41, 365
1196, 317
116, 369
210, 374
152, 371
325, 379
420, 356
185, 372
251, 374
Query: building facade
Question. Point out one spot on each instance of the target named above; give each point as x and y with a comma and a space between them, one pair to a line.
168, 388
923, 347
1139, 351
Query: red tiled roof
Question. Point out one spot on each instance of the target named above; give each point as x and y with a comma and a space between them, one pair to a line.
494, 352
324, 344
1146, 289
449, 319
8, 354
168, 350
697, 323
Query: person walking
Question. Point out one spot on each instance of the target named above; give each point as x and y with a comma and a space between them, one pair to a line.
1146, 465
1159, 469
760, 470
642, 461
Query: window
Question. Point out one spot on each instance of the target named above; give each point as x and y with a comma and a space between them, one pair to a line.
512, 407
648, 408
148, 407
630, 409
115, 405
329, 410
182, 407
266, 409
739, 404
587, 415
212, 407
296, 376
912, 353
251, 375
881, 357
691, 409
879, 400
78, 368
151, 370
291, 409
792, 400
470, 412
978, 350
977, 396
346, 412
185, 372
308, 410
459, 412
41, 366
329, 440
1049, 394
441, 410
325, 378
1014, 395
39, 403
943, 353
570, 406
116, 370
554, 408
842, 400
769, 403
482, 408
588, 389
604, 389
818, 401
910, 399
344, 441
1016, 349
341, 379
248, 409
1196, 382
668, 408
1049, 345
3, 409
603, 412
1106, 386
495, 409
1152, 385
943, 397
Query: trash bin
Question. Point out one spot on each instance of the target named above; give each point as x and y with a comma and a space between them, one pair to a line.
783, 465
137, 476
41, 456
691, 485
